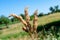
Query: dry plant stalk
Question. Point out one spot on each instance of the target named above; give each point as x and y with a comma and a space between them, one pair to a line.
19, 18
27, 26
35, 23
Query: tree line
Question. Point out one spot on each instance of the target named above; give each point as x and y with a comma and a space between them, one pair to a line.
6, 20
54, 9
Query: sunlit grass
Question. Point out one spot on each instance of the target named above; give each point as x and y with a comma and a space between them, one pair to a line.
15, 30
47, 19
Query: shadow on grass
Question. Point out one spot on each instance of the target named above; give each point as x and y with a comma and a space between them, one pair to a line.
53, 27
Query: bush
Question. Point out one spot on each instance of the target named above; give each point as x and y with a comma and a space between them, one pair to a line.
41, 14
31, 17
52, 28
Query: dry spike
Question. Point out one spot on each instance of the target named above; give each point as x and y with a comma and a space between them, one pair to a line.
19, 18
35, 20
35, 24
27, 26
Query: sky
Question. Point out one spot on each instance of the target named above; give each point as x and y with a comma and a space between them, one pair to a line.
8, 7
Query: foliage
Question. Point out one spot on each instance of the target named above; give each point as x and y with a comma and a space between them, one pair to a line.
57, 9
48, 28
52, 19
31, 17
52, 29
15, 35
23, 16
54, 9
14, 19
4, 20
41, 14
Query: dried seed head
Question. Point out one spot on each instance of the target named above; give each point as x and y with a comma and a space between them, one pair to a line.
12, 15
26, 14
35, 20
35, 13
26, 11
20, 18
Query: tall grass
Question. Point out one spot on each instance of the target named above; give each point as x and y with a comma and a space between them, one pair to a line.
8, 34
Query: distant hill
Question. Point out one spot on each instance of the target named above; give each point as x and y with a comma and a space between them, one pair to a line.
15, 30
49, 18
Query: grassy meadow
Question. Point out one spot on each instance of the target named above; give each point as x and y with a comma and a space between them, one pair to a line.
15, 32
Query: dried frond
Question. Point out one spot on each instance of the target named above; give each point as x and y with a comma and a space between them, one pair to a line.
26, 15
35, 24
27, 19
20, 18
36, 11
27, 26
35, 20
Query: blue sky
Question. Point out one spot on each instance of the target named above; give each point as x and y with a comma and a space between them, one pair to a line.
17, 6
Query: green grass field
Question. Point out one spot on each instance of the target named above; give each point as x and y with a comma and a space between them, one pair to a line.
15, 32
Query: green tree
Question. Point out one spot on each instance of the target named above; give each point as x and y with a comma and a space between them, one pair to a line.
23, 16
52, 9
57, 9
41, 14
31, 17
4, 20
14, 20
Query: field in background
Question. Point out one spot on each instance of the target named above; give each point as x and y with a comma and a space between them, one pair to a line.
15, 32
